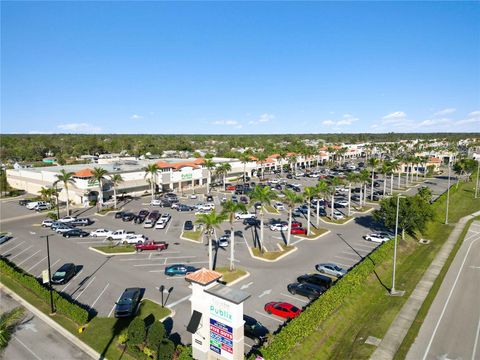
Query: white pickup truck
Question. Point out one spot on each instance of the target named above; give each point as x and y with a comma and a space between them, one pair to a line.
134, 239
243, 216
119, 235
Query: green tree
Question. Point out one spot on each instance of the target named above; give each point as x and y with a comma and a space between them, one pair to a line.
413, 215
222, 170
210, 221
333, 187
166, 350
261, 156
151, 172
66, 178
384, 170
136, 332
351, 178
116, 179
244, 159
156, 334
373, 163
229, 208
322, 190
425, 193
99, 174
8, 322
265, 196
209, 164
291, 199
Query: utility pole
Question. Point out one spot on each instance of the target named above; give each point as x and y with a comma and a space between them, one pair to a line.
392, 291
448, 192
58, 205
52, 308
476, 183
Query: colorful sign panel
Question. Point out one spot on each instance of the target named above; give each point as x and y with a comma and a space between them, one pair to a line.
221, 338
187, 176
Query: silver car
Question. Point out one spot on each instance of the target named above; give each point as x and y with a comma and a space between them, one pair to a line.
331, 269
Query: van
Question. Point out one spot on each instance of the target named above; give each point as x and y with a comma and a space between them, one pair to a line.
32, 205
317, 279
41, 207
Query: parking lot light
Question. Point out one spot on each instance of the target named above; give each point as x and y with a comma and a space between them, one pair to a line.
448, 192
52, 308
393, 291
169, 292
161, 288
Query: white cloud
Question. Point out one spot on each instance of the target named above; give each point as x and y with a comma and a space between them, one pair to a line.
33, 132
136, 117
328, 122
434, 122
347, 119
395, 116
444, 112
79, 128
266, 117
225, 122
474, 114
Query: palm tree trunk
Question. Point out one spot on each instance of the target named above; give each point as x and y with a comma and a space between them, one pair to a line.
391, 183
399, 179
232, 247
244, 173
68, 201
384, 185
289, 235
114, 197
260, 242
349, 196
364, 193
308, 218
332, 205
361, 195
208, 181
151, 187
210, 254
318, 212
224, 185
371, 188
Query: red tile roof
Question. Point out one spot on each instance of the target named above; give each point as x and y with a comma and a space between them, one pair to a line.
87, 172
203, 276
165, 165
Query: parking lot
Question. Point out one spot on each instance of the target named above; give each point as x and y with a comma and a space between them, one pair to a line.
101, 279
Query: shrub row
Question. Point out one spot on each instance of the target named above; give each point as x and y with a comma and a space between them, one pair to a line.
63, 305
309, 320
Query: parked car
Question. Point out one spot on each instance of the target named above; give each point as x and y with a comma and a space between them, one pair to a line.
81, 222
33, 204
156, 202
188, 225
254, 329
244, 199
134, 239
183, 207
179, 269
47, 222
242, 216
4, 237
101, 233
283, 309
161, 224
296, 224
119, 214
141, 216
257, 205
119, 235
209, 198
337, 215
299, 211
251, 222
24, 202
127, 304
279, 227
317, 279
151, 245
311, 291
63, 228
75, 233
330, 269
221, 242
378, 237
298, 230
64, 274
42, 207
341, 203
67, 219
279, 206
128, 216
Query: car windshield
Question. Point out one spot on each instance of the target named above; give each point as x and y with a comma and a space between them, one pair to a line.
294, 309
338, 268
59, 274
125, 301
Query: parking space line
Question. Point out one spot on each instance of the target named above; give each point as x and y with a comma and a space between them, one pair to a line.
168, 227
86, 287
28, 258
270, 317
36, 264
27, 348
194, 262
21, 252
352, 254
12, 248
88, 242
71, 281
295, 298
179, 301
115, 304
51, 266
93, 304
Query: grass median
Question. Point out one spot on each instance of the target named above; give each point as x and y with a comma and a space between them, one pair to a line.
115, 249
314, 233
230, 276
193, 235
272, 255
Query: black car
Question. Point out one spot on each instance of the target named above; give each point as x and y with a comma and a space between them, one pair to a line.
251, 222
75, 233
188, 225
128, 216
209, 198
166, 203
183, 207
254, 329
119, 214
142, 215
289, 176
81, 222
154, 216
127, 304
24, 202
64, 273
316, 279
306, 289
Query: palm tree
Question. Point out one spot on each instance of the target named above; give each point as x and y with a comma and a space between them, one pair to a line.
244, 159
210, 220
291, 199
151, 171
116, 179
8, 321
351, 178
265, 196
308, 193
209, 164
98, 174
373, 162
282, 155
322, 189
364, 178
394, 167
292, 160
333, 185
261, 156
65, 178
47, 193
384, 170
229, 209
222, 170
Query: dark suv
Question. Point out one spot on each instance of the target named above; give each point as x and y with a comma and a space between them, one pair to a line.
142, 215
254, 329
317, 279
64, 274
308, 290
127, 304
128, 216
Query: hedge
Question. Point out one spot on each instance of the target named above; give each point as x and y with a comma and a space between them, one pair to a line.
309, 320
64, 306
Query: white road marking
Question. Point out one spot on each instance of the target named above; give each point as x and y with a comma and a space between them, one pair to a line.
296, 242
93, 304
71, 281
448, 300
88, 242
86, 287
168, 226
193, 262
270, 317
143, 265
179, 301
246, 286
27, 348
13, 248
347, 258
476, 340
21, 252
266, 292
36, 264
110, 313
51, 266
28, 258
294, 298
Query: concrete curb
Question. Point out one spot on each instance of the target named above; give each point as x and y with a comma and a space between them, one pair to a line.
363, 212
111, 254
45, 318
404, 319
108, 212
332, 223
239, 279
187, 239
275, 260
315, 238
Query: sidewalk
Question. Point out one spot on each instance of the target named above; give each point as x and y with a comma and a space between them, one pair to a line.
400, 326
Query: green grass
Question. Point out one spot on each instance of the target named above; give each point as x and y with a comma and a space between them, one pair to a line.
314, 233
115, 249
335, 221
229, 276
106, 210
271, 210
370, 311
193, 235
361, 209
422, 313
272, 255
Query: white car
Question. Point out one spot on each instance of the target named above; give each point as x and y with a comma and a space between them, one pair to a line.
203, 211
207, 206
67, 219
274, 181
134, 239
341, 189
47, 223
341, 202
243, 216
337, 215
378, 237
279, 227
161, 224
279, 206
221, 242
156, 202
165, 217
149, 223
193, 196
101, 233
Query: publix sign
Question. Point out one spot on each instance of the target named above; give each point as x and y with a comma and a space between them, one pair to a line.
220, 310
186, 176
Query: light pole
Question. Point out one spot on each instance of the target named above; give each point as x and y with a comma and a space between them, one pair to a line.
161, 288
448, 192
476, 183
58, 205
52, 308
393, 291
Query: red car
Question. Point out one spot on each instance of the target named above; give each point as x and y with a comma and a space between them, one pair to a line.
282, 309
230, 188
152, 245
298, 230
296, 224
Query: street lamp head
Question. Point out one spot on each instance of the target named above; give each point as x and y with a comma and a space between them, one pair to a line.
170, 290
161, 288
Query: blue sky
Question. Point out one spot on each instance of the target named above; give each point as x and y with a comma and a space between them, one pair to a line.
231, 67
